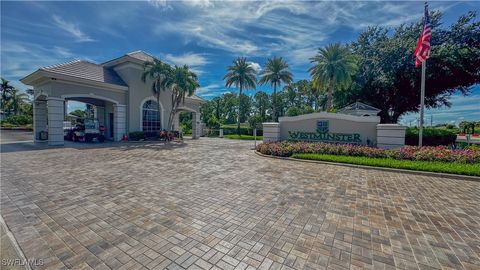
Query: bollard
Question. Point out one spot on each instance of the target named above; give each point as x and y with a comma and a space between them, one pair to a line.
221, 133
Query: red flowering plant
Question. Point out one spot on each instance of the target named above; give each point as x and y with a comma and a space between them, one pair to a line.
427, 153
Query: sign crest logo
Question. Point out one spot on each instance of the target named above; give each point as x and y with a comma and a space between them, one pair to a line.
322, 126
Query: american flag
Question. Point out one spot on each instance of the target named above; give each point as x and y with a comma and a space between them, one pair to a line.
422, 51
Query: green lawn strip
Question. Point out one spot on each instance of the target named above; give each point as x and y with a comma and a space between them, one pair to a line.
242, 137
234, 126
429, 166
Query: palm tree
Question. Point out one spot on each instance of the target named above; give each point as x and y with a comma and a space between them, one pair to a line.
158, 72
243, 76
6, 90
183, 82
15, 101
276, 72
334, 66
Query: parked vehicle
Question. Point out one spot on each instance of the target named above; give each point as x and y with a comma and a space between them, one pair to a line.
89, 131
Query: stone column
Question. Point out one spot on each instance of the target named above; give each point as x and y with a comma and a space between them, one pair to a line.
196, 126
100, 111
390, 136
56, 115
39, 118
119, 121
271, 132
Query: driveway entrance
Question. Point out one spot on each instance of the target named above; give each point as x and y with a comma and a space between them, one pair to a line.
213, 203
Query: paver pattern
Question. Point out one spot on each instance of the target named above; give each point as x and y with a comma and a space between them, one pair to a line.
214, 204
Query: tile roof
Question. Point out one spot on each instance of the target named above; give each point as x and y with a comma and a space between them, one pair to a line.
86, 70
141, 55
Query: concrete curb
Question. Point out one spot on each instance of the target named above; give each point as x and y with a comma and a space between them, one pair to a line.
15, 245
435, 174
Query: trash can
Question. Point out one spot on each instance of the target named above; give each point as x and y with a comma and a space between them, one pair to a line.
43, 135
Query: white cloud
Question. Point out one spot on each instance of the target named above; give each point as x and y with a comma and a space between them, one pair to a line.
293, 29
21, 58
194, 60
255, 66
161, 4
207, 89
191, 59
72, 29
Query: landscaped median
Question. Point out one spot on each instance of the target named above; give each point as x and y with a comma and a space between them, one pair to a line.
431, 159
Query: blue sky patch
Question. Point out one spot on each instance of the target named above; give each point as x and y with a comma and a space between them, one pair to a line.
207, 35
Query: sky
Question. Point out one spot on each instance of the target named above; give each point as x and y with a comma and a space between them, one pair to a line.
206, 35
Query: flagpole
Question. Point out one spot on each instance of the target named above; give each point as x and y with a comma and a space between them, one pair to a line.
422, 104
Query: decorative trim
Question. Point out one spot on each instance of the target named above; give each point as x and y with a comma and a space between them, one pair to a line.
339, 116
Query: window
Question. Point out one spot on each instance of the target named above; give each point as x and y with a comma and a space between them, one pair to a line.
150, 116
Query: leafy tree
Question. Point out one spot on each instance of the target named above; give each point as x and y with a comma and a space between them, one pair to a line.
185, 121
158, 72
294, 111
262, 103
15, 101
217, 101
245, 107
7, 89
333, 67
79, 113
229, 108
387, 77
276, 72
243, 76
182, 82
255, 121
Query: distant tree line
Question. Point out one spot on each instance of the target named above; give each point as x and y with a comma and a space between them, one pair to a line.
377, 69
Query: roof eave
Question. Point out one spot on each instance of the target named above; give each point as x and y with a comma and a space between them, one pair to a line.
35, 76
121, 60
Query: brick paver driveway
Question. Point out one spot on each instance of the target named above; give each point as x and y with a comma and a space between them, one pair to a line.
214, 204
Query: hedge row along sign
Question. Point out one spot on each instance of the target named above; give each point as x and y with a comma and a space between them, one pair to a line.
322, 134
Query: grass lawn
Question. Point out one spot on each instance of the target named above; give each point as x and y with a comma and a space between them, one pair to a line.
429, 166
242, 137
242, 125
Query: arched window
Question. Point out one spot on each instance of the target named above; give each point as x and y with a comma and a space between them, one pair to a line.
151, 116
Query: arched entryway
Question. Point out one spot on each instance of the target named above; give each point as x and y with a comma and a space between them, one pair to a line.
50, 115
195, 121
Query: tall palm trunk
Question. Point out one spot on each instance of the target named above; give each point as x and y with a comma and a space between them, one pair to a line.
239, 107
158, 108
274, 117
330, 96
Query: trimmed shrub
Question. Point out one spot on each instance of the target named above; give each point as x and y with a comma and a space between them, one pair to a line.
426, 153
17, 120
431, 136
136, 136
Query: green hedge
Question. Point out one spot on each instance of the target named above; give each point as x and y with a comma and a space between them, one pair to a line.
243, 137
243, 131
431, 136
472, 169
136, 136
17, 120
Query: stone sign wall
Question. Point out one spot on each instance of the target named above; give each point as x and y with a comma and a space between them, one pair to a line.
330, 127
335, 128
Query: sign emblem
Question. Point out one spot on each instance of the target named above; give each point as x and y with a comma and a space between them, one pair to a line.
322, 126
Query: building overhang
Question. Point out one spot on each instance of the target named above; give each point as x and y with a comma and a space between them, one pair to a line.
41, 75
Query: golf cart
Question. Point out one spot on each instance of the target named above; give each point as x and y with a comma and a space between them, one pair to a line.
87, 131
